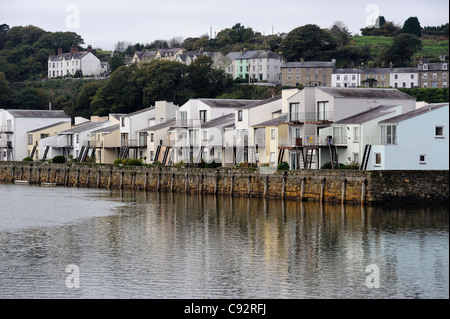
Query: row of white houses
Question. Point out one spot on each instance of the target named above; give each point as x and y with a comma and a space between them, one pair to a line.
312, 128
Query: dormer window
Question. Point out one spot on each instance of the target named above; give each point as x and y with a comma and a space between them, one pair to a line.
425, 66
444, 66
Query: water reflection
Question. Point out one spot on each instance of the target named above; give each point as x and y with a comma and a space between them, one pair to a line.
163, 245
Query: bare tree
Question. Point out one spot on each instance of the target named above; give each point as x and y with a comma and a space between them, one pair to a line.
175, 42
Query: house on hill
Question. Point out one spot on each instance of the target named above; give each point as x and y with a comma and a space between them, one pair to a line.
67, 64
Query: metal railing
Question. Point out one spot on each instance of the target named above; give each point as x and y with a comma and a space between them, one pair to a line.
381, 140
134, 143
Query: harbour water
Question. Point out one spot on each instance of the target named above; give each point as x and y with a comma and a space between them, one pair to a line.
61, 242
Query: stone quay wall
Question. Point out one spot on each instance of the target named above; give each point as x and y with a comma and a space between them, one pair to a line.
342, 186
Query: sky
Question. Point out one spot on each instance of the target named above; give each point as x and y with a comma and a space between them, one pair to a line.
103, 23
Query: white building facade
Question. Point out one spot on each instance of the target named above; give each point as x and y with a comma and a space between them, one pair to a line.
67, 64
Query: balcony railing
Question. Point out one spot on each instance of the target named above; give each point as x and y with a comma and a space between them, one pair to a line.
6, 144
319, 116
381, 140
292, 117
134, 143
187, 123
6, 129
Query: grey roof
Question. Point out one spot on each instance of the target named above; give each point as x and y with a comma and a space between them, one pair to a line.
310, 64
260, 54
366, 93
67, 56
404, 70
261, 102
159, 126
347, 71
48, 126
229, 118
83, 127
433, 66
108, 129
376, 70
38, 113
273, 122
368, 115
236, 103
414, 113
140, 111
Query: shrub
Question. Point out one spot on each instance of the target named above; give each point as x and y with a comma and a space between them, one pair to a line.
213, 164
180, 164
134, 162
156, 163
59, 159
118, 161
283, 166
27, 159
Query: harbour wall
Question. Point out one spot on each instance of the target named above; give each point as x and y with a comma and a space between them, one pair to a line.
343, 186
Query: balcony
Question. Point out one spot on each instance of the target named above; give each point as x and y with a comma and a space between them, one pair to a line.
290, 142
187, 123
135, 143
381, 140
292, 118
7, 144
6, 129
319, 117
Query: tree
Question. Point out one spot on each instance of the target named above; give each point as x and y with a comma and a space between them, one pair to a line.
6, 93
309, 42
401, 51
412, 26
85, 97
116, 61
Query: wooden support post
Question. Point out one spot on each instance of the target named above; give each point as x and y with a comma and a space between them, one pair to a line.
249, 185
322, 190
344, 189
231, 185
363, 191
266, 186
302, 189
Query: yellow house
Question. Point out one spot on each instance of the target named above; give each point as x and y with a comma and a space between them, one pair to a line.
168, 54
36, 135
268, 139
107, 144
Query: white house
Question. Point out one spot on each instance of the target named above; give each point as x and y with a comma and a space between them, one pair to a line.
14, 128
132, 134
186, 136
72, 143
353, 133
344, 78
310, 109
67, 64
418, 140
404, 77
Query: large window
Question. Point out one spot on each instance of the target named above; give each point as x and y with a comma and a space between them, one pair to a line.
389, 134
322, 109
202, 116
294, 112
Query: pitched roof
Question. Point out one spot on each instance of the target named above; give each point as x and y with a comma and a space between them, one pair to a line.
159, 126
236, 103
48, 126
261, 102
310, 64
38, 113
140, 111
68, 56
260, 54
364, 93
414, 113
368, 115
273, 122
229, 118
83, 127
108, 129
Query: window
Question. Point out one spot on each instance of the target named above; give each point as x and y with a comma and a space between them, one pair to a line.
388, 135
356, 134
396, 76
377, 159
294, 111
444, 75
322, 109
272, 157
422, 159
30, 139
434, 75
152, 136
202, 116
205, 135
123, 121
240, 116
272, 134
356, 157
439, 131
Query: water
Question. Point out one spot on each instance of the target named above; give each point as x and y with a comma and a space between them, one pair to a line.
159, 245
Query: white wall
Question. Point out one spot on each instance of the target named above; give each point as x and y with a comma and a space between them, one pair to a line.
416, 136
90, 65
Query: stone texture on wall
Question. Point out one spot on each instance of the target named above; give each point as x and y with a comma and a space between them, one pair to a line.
349, 186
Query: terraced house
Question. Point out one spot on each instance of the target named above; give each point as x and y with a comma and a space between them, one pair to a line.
67, 64
433, 75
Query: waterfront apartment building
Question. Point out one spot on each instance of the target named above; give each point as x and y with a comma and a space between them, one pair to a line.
15, 125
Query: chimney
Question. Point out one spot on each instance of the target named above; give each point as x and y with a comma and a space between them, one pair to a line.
60, 51
89, 48
302, 60
73, 49
391, 65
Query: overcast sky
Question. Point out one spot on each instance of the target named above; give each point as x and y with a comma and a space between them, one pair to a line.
103, 23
